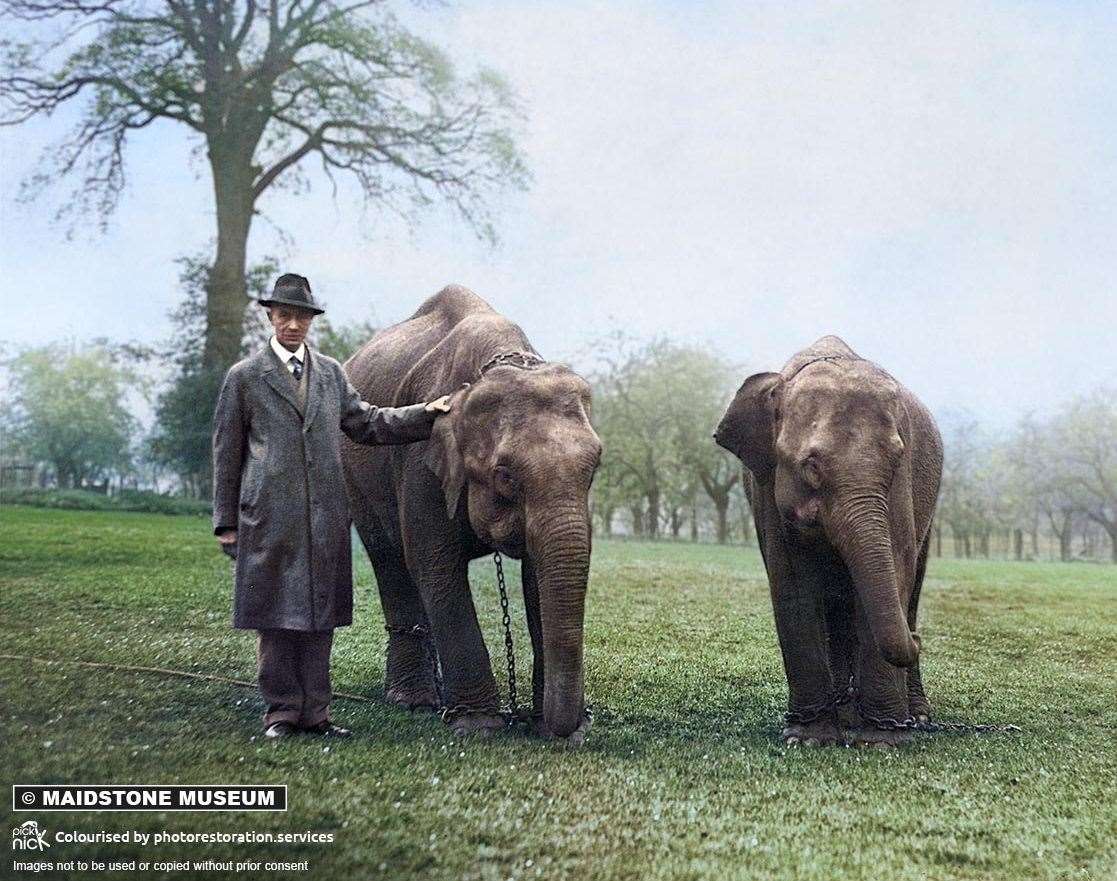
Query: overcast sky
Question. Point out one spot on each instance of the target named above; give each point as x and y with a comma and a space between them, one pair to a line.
937, 185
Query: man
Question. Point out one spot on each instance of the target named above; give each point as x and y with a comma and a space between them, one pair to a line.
279, 503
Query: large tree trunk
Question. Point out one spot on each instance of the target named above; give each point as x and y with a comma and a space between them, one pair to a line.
227, 293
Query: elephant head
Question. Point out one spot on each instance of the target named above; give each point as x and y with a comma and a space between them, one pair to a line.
519, 444
829, 441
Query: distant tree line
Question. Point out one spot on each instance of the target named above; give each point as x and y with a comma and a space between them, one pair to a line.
1047, 489
655, 405
69, 418
67, 407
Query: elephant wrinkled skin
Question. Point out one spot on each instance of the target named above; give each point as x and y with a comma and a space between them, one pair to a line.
844, 466
508, 469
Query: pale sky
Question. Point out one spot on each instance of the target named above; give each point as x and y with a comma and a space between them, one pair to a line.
938, 185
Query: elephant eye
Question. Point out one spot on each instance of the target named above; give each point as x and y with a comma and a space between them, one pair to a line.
812, 473
504, 484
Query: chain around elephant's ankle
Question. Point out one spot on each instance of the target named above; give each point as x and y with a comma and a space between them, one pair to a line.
887, 724
814, 712
417, 631
459, 711
807, 715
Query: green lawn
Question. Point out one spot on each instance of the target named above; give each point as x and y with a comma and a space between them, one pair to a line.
682, 775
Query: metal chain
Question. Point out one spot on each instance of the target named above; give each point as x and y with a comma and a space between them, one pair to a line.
512, 713
509, 648
933, 727
908, 724
523, 360
419, 632
813, 713
849, 695
416, 630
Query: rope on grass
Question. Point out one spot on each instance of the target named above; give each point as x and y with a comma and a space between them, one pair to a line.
164, 671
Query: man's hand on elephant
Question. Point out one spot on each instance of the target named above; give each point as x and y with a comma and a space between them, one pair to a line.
441, 405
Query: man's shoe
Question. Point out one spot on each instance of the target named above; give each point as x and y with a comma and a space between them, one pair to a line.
280, 729
329, 729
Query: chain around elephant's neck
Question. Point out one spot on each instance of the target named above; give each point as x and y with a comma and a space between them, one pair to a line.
803, 367
522, 360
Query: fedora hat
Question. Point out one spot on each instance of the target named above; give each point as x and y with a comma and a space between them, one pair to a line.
292, 290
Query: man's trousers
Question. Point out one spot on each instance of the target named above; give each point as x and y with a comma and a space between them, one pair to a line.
293, 670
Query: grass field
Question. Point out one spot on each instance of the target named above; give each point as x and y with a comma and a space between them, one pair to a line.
682, 775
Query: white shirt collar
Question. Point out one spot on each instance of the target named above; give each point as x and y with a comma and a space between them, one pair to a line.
286, 355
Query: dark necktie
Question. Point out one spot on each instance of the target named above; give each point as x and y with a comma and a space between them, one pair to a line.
296, 369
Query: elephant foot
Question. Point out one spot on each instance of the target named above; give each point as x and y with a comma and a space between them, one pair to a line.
921, 712
573, 740
483, 724
421, 700
878, 738
821, 732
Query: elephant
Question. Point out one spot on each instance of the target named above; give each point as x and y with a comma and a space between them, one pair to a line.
843, 466
508, 469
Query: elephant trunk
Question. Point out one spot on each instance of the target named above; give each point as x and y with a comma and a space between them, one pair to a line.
863, 538
559, 545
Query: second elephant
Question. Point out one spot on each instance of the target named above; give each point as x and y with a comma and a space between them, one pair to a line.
844, 467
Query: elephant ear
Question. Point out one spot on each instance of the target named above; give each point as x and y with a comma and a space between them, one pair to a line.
902, 436
443, 456
749, 424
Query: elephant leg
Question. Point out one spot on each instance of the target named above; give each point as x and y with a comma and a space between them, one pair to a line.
841, 629
882, 693
918, 705
469, 689
439, 566
801, 627
411, 679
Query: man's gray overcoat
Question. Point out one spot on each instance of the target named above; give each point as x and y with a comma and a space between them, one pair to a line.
277, 480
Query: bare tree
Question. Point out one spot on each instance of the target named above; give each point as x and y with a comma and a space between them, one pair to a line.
655, 407
1085, 438
262, 87
629, 416
957, 506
